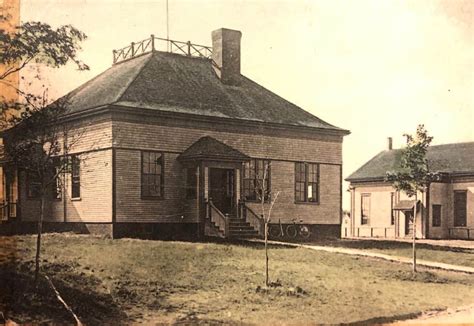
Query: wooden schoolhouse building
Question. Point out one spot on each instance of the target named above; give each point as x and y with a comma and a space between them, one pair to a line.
174, 142
444, 211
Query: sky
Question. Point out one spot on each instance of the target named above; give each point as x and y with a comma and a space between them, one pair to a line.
376, 68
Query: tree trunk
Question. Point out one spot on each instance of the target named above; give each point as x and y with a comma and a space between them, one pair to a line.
414, 233
266, 254
38, 240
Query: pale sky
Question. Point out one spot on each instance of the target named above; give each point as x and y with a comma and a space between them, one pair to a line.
377, 68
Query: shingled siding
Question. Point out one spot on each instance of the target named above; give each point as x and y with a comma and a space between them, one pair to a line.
130, 138
95, 203
327, 211
176, 139
130, 207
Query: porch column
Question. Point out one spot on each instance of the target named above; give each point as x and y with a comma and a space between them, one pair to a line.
237, 185
206, 183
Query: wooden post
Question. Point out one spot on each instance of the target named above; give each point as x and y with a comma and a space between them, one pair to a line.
114, 52
133, 49
189, 48
414, 233
152, 43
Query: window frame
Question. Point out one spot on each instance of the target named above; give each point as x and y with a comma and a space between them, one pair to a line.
439, 219
306, 183
455, 218
142, 174
367, 220
75, 179
254, 173
392, 211
57, 186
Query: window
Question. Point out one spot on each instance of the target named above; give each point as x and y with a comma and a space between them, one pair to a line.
34, 185
191, 183
253, 174
152, 175
56, 189
75, 177
392, 211
436, 215
365, 209
460, 203
306, 182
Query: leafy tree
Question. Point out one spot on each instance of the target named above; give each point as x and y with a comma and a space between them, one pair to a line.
413, 175
34, 144
35, 44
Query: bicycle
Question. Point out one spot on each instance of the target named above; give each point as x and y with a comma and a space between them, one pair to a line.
276, 231
292, 230
300, 229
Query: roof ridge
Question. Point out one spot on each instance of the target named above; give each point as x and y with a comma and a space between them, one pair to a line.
90, 81
139, 71
451, 144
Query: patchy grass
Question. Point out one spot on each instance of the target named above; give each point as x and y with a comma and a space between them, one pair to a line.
125, 281
454, 256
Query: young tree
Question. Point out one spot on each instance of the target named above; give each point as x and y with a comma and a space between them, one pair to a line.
34, 144
264, 194
38, 146
413, 175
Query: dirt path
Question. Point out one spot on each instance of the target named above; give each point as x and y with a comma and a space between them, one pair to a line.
462, 315
462, 244
365, 253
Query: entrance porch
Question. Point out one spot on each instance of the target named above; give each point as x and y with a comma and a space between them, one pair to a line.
213, 171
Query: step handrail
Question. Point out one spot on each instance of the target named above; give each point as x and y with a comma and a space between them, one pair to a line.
4, 207
255, 220
218, 218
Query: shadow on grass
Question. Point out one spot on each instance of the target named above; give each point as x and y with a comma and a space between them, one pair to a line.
20, 301
246, 244
385, 320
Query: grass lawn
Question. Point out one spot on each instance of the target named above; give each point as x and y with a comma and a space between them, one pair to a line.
455, 256
125, 281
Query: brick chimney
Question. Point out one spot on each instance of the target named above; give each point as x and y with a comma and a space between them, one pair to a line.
389, 143
226, 55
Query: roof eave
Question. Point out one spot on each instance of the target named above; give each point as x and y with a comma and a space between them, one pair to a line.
365, 179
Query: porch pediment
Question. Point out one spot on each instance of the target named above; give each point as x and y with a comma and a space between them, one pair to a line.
208, 148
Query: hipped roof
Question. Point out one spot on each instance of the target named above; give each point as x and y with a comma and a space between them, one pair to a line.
174, 83
453, 159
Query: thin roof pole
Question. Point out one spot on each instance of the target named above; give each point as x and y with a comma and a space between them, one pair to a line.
167, 26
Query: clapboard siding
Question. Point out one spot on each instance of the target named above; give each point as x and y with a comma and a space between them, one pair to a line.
95, 204
129, 138
178, 139
327, 211
132, 208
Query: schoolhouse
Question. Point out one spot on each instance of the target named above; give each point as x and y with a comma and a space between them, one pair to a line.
173, 144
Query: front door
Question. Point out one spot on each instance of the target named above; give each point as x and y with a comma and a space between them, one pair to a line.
221, 189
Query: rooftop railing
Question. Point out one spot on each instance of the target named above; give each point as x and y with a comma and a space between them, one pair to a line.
160, 44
